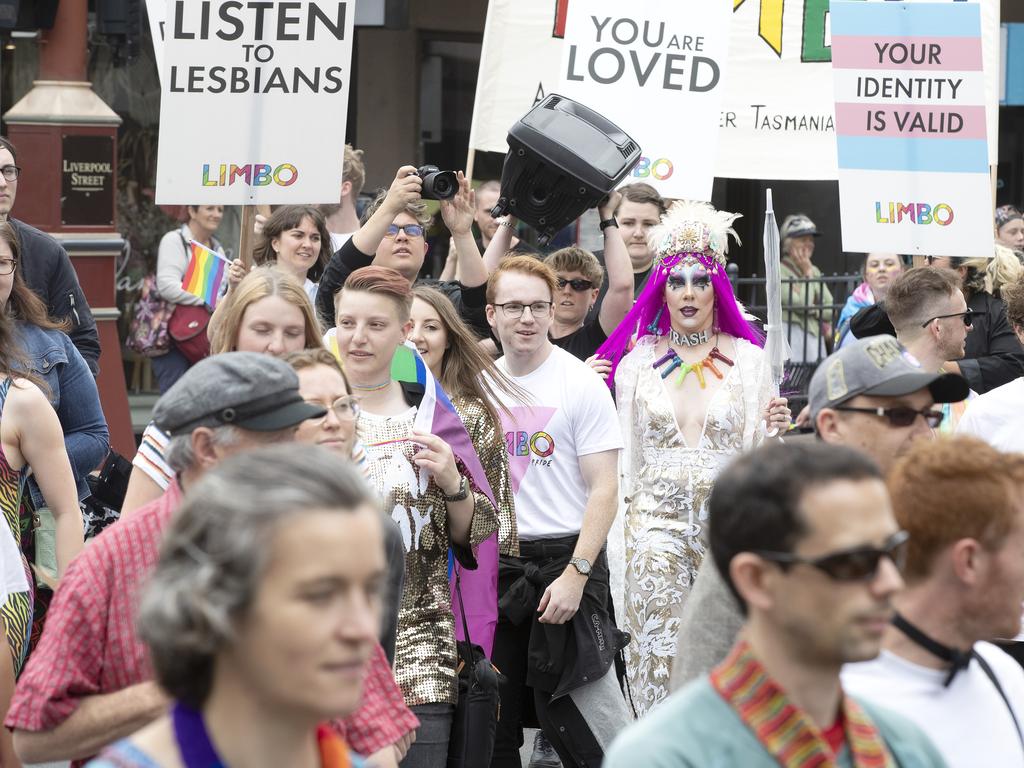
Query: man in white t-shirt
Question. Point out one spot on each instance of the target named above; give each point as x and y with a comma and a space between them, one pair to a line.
962, 502
555, 635
997, 416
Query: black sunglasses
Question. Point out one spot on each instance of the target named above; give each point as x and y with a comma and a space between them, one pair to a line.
855, 564
901, 416
966, 315
578, 284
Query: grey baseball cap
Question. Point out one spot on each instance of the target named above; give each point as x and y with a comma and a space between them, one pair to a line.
880, 366
243, 389
798, 225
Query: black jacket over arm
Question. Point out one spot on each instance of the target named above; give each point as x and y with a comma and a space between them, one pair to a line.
994, 355
48, 272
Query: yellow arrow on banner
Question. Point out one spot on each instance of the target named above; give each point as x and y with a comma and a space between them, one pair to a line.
769, 24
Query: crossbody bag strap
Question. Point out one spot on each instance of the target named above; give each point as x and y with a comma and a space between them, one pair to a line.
462, 608
995, 681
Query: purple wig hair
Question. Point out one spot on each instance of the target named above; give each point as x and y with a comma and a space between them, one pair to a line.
648, 316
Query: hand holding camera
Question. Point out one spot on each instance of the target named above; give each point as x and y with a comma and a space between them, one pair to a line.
458, 211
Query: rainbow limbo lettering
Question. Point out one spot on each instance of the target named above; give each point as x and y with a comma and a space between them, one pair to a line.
253, 174
205, 273
660, 169
915, 213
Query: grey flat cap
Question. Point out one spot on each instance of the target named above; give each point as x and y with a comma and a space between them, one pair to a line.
243, 389
881, 366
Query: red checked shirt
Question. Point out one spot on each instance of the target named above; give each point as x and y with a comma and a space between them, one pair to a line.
89, 645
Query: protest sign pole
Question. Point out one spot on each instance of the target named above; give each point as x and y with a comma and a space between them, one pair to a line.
245, 235
470, 162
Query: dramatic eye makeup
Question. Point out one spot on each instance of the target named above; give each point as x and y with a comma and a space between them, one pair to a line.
689, 272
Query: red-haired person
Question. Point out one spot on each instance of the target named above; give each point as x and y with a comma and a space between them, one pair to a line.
563, 441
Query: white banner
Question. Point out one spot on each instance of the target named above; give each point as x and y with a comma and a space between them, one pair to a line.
911, 128
776, 120
668, 57
254, 102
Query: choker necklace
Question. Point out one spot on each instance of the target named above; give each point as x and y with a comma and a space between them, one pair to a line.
690, 340
372, 387
957, 659
674, 361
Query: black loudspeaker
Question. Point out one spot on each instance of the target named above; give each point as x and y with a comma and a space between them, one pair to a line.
563, 158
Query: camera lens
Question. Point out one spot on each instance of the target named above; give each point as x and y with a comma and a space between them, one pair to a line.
442, 187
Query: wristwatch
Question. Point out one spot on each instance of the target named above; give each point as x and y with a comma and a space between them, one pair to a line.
612, 222
582, 566
462, 493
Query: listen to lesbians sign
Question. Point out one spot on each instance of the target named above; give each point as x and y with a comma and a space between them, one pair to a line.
910, 128
254, 101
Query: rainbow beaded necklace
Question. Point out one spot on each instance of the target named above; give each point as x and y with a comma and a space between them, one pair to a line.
671, 360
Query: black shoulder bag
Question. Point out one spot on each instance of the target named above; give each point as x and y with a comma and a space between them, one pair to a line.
476, 715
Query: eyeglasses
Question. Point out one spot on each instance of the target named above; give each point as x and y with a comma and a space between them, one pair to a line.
966, 315
855, 564
578, 284
411, 230
344, 408
10, 172
7, 266
516, 309
901, 416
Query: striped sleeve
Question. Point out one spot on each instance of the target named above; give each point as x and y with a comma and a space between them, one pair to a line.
150, 456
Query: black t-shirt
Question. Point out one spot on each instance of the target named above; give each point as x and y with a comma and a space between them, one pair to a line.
639, 281
583, 343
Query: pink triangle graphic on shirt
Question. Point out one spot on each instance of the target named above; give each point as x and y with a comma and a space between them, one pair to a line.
521, 432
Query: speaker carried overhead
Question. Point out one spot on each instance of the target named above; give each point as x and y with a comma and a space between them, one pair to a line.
563, 158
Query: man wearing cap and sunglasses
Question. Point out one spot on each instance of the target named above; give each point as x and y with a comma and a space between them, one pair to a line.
804, 537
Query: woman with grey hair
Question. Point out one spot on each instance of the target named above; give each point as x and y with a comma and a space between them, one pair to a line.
262, 615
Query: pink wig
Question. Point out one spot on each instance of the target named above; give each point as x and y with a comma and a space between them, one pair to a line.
689, 229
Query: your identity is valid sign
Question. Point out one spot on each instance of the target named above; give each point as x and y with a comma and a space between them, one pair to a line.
911, 128
254, 101
656, 69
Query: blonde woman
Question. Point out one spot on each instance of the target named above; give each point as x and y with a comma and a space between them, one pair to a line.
269, 313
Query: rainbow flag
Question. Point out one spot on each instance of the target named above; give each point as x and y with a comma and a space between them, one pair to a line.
437, 415
205, 273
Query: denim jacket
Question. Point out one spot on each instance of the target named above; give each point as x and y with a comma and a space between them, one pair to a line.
73, 393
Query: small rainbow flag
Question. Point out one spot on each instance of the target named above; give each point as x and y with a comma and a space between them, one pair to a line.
205, 273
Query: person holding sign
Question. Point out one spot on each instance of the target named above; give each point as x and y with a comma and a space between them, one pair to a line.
694, 392
172, 262
295, 238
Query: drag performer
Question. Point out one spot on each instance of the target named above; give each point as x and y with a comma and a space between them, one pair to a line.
693, 392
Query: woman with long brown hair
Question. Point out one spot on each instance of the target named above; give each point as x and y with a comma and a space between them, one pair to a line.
469, 376
296, 240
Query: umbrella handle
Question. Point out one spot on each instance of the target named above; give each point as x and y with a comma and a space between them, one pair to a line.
768, 203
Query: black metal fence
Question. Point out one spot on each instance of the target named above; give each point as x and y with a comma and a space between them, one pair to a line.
810, 310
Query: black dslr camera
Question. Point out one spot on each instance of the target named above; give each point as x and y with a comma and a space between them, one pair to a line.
437, 184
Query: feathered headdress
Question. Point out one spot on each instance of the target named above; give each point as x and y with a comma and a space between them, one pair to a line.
689, 229
693, 227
